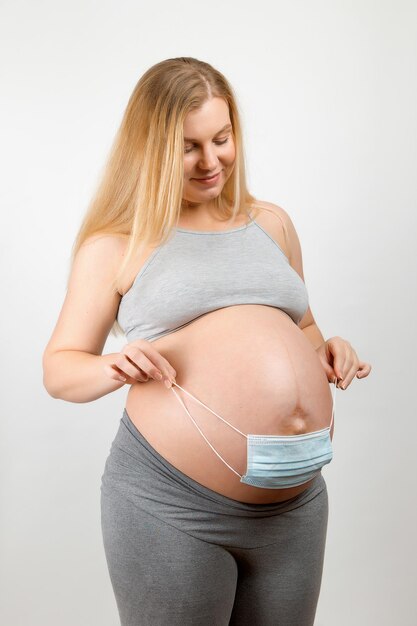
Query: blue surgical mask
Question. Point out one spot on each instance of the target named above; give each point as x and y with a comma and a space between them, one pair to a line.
278, 461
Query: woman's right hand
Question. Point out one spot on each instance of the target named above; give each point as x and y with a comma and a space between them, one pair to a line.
138, 362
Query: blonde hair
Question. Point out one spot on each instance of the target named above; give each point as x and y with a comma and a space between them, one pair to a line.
140, 192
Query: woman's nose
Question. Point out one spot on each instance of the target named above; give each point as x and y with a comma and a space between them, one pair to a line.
208, 160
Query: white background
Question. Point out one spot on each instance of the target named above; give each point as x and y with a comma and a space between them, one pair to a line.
327, 91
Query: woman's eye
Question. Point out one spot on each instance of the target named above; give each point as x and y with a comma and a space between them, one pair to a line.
219, 143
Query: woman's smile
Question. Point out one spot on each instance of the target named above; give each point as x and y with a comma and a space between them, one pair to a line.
212, 180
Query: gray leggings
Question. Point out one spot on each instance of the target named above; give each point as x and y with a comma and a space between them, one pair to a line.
180, 554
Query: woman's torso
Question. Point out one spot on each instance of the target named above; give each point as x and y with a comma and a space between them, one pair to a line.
251, 364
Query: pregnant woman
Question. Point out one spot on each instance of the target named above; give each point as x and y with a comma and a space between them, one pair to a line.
213, 504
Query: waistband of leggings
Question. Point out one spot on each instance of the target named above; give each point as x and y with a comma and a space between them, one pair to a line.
305, 496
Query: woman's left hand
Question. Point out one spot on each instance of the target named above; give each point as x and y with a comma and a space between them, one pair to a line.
340, 361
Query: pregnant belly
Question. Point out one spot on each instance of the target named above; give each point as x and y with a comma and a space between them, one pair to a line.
254, 367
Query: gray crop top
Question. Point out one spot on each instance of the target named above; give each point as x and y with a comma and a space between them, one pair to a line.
196, 272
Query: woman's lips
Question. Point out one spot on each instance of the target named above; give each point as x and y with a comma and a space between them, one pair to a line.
208, 181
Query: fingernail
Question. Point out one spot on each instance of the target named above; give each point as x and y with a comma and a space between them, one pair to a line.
167, 383
158, 376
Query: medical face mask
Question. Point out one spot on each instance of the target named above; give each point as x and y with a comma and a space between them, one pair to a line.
278, 461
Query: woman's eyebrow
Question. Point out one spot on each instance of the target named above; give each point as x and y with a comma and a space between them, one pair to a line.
226, 127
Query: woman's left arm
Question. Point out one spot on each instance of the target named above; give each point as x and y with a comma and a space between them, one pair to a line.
337, 356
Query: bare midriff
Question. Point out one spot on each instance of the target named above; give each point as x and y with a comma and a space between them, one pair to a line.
252, 365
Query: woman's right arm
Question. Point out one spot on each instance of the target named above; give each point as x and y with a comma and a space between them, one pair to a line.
77, 376
73, 363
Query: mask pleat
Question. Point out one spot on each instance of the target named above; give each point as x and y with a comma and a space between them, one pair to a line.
289, 462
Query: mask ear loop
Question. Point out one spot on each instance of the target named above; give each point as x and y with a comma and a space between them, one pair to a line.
333, 402
205, 406
199, 429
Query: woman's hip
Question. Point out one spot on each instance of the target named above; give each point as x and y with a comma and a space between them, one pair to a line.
137, 478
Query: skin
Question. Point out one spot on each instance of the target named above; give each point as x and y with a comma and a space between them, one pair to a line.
76, 370
100, 257
208, 151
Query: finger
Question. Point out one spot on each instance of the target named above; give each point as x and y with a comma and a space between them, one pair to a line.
349, 367
345, 382
327, 367
114, 374
127, 367
169, 368
142, 361
140, 376
150, 361
155, 364
351, 371
330, 373
118, 374
364, 370
163, 365
339, 366
338, 357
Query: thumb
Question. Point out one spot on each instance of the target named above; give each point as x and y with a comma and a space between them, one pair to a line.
329, 371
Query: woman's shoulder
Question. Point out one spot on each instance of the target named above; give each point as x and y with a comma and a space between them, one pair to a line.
106, 239
263, 207
108, 246
103, 251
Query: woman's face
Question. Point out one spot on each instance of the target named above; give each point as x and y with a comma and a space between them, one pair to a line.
209, 150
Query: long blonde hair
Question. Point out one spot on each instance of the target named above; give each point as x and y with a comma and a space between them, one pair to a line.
139, 195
